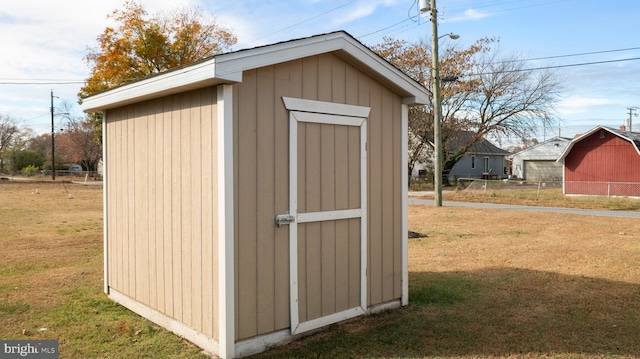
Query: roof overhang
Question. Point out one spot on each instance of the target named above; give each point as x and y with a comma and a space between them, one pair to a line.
228, 68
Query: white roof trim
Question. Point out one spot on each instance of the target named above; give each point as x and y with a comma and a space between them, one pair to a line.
228, 68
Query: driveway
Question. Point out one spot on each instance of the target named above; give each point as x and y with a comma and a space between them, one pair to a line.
588, 212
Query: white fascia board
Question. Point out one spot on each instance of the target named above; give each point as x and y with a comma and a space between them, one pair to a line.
418, 92
228, 68
237, 62
190, 77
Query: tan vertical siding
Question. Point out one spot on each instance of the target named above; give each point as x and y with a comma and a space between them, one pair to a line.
129, 187
387, 210
376, 222
156, 205
140, 198
325, 179
209, 210
246, 233
163, 206
266, 199
280, 303
261, 189
166, 151
397, 167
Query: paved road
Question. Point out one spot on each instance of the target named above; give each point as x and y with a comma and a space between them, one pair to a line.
589, 212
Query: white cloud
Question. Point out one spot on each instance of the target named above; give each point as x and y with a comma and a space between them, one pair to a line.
43, 39
582, 104
360, 10
469, 14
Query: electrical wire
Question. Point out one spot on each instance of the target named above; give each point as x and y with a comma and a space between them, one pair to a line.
573, 55
40, 82
552, 67
301, 22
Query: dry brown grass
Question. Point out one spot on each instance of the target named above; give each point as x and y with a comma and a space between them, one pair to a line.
48, 242
483, 284
467, 239
497, 284
51, 277
532, 284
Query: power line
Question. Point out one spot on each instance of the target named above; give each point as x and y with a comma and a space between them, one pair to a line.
574, 55
26, 82
553, 67
39, 82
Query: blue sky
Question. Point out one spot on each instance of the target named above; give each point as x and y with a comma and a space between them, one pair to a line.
44, 42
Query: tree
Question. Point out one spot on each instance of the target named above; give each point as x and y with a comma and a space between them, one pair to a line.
491, 95
76, 144
27, 158
13, 138
42, 145
142, 45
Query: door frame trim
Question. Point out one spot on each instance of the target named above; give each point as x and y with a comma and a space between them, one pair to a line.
301, 110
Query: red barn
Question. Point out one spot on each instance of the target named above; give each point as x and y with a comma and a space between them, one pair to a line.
604, 161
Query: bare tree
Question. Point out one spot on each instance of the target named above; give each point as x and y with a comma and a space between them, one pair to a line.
507, 100
483, 92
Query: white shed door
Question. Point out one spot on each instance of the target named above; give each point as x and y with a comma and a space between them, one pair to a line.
328, 209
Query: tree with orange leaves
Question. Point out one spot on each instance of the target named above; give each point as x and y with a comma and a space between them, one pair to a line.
142, 45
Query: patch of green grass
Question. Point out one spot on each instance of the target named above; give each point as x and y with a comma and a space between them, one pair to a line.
440, 289
13, 307
515, 233
456, 236
26, 268
89, 325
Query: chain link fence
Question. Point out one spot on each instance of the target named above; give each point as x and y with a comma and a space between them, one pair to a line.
582, 188
61, 174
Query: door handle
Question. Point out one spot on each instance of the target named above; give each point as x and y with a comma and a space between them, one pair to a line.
284, 219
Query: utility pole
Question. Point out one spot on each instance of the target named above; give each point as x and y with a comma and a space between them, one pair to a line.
631, 114
437, 129
53, 143
435, 74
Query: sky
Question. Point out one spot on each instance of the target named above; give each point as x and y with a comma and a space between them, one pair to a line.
593, 45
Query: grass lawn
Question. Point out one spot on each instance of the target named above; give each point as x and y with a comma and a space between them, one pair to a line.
483, 284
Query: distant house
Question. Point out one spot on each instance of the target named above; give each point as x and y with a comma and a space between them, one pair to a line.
482, 160
603, 161
538, 163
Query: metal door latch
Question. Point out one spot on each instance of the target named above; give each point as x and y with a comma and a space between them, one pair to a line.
284, 219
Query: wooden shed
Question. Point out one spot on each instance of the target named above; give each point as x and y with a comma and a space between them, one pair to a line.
259, 194
604, 161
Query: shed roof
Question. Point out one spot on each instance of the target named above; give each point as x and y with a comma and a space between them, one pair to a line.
632, 137
550, 149
228, 68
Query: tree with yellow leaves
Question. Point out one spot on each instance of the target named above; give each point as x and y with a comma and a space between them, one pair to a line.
142, 45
